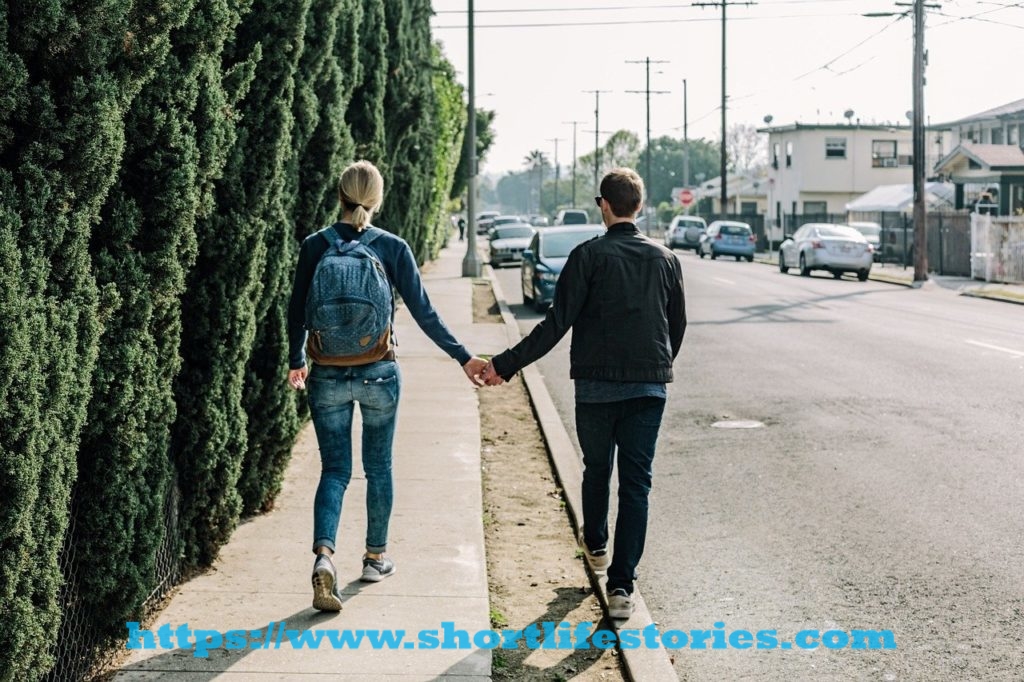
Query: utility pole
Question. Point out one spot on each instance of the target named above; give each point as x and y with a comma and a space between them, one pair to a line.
686, 142
724, 163
647, 162
917, 8
597, 128
471, 265
574, 124
556, 140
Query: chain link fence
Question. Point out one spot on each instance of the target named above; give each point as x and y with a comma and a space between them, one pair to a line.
81, 653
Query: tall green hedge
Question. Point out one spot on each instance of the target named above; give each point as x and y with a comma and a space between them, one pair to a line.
158, 162
70, 71
142, 248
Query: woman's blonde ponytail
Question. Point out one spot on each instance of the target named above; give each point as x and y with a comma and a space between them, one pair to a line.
362, 190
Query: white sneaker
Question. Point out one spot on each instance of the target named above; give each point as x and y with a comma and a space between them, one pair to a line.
620, 604
598, 560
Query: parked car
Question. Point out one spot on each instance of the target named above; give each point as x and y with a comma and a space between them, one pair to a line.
539, 221
484, 219
727, 238
825, 246
506, 220
508, 243
873, 233
572, 216
684, 232
544, 259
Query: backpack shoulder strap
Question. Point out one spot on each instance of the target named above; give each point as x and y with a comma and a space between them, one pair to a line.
370, 234
330, 235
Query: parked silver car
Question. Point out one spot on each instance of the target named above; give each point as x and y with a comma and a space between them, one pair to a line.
509, 241
684, 232
824, 246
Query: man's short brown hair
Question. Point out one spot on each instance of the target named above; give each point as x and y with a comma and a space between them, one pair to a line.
623, 189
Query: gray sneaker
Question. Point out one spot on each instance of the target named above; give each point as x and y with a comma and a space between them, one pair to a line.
598, 559
326, 596
620, 604
375, 570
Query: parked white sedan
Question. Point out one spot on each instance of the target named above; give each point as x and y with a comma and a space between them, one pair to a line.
824, 246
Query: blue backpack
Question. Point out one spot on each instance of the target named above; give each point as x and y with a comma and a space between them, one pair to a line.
350, 303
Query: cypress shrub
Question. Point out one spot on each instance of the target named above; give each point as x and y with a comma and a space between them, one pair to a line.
232, 287
143, 248
450, 125
69, 70
365, 114
409, 105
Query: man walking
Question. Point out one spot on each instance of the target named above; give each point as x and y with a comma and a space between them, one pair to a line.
622, 295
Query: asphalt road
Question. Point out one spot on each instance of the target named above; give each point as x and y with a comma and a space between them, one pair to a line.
884, 492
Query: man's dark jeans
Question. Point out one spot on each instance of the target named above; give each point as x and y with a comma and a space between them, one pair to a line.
632, 427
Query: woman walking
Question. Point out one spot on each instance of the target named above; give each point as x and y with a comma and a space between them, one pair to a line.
371, 378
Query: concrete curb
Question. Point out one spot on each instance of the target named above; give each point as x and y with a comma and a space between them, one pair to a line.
641, 664
992, 296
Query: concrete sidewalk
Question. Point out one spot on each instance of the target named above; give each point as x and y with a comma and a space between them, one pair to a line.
262, 578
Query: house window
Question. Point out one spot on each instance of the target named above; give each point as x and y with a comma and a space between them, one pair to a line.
883, 154
835, 147
775, 156
815, 208
1011, 135
970, 136
997, 135
789, 154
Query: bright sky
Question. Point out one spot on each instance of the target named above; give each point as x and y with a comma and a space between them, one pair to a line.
797, 60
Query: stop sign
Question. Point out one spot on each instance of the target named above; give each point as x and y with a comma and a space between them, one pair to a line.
686, 197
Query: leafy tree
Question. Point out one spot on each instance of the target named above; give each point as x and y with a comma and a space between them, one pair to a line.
668, 159
484, 141
747, 148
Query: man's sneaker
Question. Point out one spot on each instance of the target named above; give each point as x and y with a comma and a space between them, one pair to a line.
598, 559
620, 604
326, 596
375, 570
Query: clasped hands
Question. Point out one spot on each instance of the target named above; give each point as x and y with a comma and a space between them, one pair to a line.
481, 372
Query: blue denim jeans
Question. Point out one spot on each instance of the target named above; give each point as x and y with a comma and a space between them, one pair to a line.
333, 392
631, 426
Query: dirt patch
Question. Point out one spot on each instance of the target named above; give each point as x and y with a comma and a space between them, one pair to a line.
535, 571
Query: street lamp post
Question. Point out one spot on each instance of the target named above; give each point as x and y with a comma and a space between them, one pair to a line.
471, 265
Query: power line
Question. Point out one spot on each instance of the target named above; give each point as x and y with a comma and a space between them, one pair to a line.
558, 24
647, 174
616, 8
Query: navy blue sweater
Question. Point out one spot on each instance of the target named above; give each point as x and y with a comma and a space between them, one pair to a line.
399, 263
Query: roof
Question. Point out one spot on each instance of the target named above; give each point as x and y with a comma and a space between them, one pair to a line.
991, 156
833, 126
901, 197
1016, 107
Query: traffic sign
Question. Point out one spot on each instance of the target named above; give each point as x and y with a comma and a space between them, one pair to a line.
686, 197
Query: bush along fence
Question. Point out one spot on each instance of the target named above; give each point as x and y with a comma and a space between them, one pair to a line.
158, 164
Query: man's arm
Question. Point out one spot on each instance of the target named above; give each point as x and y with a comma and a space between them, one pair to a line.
676, 309
570, 295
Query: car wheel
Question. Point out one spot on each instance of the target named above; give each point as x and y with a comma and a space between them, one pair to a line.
838, 274
738, 258
783, 268
863, 275
700, 252
539, 305
804, 270
750, 259
527, 298
713, 254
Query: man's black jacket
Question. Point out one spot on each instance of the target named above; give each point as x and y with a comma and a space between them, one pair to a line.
622, 294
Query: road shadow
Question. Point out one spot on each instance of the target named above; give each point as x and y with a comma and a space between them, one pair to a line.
785, 312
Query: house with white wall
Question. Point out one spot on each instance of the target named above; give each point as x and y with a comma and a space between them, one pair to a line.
816, 169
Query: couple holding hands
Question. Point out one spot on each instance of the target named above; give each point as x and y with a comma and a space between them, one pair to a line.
620, 293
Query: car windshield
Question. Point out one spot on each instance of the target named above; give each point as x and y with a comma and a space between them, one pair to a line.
513, 232
839, 232
868, 230
574, 218
735, 230
558, 245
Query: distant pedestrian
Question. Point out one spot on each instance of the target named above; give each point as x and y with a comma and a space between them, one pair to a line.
622, 295
371, 378
462, 228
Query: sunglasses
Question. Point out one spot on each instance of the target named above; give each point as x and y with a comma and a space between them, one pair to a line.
597, 200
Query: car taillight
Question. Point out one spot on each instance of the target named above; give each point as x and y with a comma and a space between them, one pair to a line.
816, 244
718, 236
871, 249
752, 239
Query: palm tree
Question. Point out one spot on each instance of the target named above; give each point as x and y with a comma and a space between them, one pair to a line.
536, 161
